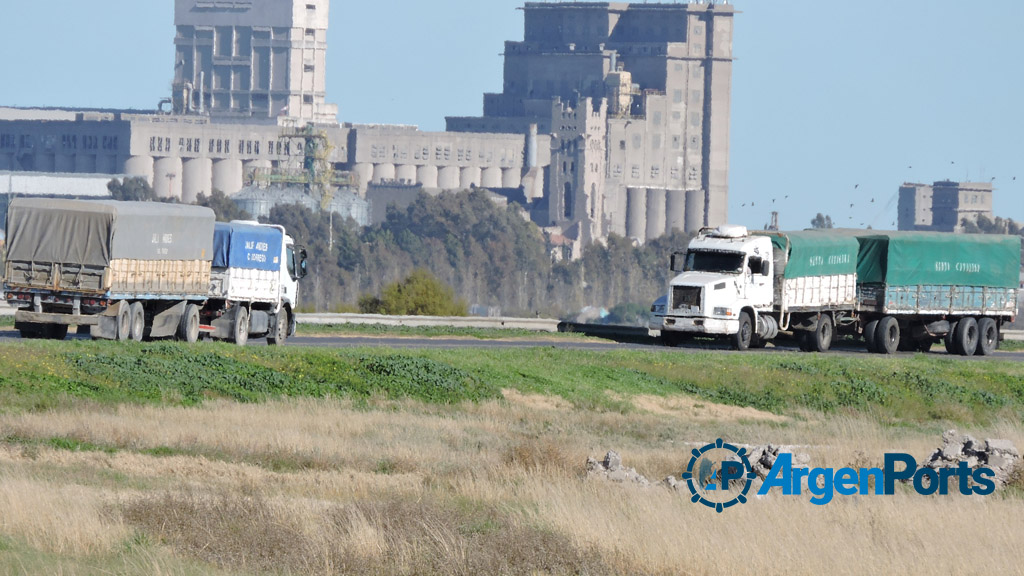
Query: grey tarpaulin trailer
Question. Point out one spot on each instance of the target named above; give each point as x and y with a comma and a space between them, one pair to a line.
127, 269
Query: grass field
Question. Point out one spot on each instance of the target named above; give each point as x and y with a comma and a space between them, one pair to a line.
164, 458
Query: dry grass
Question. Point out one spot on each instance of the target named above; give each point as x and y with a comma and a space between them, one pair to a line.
324, 487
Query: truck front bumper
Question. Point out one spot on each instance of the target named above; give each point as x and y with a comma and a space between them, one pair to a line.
696, 325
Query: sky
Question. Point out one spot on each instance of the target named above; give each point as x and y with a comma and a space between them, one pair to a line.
833, 103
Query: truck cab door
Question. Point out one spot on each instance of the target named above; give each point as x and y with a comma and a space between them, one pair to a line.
758, 275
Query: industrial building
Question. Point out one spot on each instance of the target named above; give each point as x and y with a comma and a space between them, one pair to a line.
943, 206
614, 117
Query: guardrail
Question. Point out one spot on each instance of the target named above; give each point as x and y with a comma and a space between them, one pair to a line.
535, 324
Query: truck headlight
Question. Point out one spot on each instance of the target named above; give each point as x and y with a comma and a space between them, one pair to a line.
723, 311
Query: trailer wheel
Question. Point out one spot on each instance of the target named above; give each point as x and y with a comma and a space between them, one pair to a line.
887, 335
138, 325
279, 332
966, 337
741, 340
124, 321
57, 331
950, 338
870, 331
821, 338
188, 328
240, 331
988, 336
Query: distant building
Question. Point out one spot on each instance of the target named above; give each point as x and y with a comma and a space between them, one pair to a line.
943, 206
614, 117
14, 184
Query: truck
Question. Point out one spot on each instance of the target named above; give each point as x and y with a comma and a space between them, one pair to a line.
749, 287
253, 282
896, 290
138, 271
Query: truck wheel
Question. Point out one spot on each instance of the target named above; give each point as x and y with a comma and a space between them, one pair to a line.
988, 336
279, 332
950, 338
138, 322
870, 330
188, 328
887, 335
57, 331
240, 331
124, 321
821, 338
741, 341
966, 337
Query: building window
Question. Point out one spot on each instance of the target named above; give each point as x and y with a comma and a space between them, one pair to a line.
307, 99
152, 144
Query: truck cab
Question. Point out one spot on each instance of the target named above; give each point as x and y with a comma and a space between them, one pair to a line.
724, 282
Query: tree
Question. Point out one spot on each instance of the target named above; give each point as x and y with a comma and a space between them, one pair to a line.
419, 294
223, 206
821, 221
133, 189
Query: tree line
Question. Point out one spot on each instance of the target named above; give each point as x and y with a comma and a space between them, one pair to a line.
490, 255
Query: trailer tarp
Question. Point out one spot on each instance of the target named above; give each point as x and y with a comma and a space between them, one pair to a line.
939, 259
249, 246
813, 253
93, 232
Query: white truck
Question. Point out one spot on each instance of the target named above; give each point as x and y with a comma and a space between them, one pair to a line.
748, 287
253, 283
145, 270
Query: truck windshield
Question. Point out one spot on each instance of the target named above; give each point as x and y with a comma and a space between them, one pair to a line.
714, 261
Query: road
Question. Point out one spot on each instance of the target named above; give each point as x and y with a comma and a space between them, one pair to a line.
416, 343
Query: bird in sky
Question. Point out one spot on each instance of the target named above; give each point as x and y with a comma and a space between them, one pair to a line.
851, 205
872, 200
855, 186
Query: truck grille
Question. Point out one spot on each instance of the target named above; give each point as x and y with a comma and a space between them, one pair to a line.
685, 296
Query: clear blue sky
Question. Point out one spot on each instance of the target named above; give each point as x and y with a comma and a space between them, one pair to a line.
833, 102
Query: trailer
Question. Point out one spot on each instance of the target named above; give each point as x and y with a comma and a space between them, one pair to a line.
253, 283
127, 270
918, 288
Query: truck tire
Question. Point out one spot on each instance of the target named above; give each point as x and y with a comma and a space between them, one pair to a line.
124, 321
966, 337
138, 321
821, 338
240, 330
57, 331
949, 339
988, 336
741, 340
887, 335
279, 331
870, 330
188, 327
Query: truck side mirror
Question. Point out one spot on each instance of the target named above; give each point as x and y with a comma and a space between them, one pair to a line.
678, 262
765, 268
301, 268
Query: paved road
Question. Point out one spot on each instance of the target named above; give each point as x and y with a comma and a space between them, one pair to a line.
413, 343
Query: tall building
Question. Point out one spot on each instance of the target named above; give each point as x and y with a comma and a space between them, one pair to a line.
252, 59
943, 206
636, 99
614, 117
